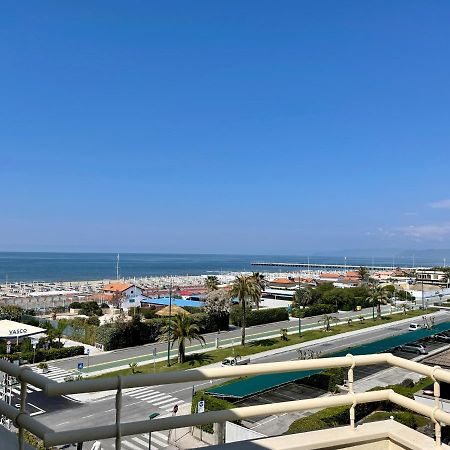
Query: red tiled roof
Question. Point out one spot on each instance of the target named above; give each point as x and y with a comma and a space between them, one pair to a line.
117, 287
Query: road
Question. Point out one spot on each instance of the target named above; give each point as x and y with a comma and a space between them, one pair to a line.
143, 354
140, 402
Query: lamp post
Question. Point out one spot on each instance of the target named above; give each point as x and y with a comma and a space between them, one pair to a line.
151, 416
170, 318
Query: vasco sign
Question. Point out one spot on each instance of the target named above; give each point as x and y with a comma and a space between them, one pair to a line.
18, 331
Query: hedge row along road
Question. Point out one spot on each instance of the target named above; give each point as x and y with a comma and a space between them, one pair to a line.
119, 359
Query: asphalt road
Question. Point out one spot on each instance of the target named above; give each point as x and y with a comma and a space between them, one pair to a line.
116, 356
139, 403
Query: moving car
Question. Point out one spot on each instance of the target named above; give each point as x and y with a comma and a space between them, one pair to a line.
235, 361
414, 326
414, 348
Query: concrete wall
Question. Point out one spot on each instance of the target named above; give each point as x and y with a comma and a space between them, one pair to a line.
236, 433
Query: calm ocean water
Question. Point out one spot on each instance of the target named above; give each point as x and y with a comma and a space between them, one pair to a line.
95, 266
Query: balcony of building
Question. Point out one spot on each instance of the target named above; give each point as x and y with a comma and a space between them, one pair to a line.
386, 434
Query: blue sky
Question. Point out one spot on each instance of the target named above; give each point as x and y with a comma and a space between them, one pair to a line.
238, 126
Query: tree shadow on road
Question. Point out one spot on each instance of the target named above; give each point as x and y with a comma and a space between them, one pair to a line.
199, 359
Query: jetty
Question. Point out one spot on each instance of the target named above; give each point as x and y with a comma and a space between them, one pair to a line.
325, 266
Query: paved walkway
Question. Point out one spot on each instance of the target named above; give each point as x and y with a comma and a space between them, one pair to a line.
91, 368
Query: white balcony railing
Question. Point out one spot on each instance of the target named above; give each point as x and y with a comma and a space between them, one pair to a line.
25, 375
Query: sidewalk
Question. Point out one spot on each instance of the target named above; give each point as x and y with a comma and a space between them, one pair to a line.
119, 364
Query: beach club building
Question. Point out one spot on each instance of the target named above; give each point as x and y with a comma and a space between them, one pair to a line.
128, 294
10, 330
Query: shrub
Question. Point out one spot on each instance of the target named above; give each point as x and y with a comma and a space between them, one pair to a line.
93, 320
338, 416
120, 335
75, 305
258, 317
327, 380
47, 355
318, 309
210, 323
148, 313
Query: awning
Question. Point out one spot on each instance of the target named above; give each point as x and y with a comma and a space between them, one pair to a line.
11, 329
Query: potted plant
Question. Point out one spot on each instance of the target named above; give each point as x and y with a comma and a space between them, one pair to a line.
43, 367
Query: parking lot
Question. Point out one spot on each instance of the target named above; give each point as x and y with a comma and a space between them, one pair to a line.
298, 391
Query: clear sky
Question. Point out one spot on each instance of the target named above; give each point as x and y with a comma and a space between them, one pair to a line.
224, 126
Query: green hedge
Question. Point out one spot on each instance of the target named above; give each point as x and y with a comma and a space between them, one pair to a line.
258, 317
316, 310
327, 380
406, 418
211, 404
129, 334
138, 332
339, 416
210, 323
47, 355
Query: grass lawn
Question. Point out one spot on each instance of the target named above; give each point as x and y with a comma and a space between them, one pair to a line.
201, 359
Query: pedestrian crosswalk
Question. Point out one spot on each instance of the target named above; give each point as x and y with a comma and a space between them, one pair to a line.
54, 373
161, 400
139, 442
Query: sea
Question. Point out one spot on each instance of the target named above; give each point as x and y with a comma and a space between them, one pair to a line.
53, 267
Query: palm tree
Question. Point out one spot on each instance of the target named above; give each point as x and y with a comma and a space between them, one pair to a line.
212, 283
326, 320
302, 297
378, 296
59, 329
181, 328
244, 288
260, 280
363, 273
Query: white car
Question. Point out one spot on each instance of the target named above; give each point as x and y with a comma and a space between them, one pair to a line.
414, 326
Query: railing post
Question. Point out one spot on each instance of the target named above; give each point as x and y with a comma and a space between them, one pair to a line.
350, 390
23, 407
23, 410
437, 395
118, 413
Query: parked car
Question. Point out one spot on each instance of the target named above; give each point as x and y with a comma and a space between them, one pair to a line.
414, 348
414, 326
235, 361
442, 337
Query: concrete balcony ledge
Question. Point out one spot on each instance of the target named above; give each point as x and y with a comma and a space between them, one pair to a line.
383, 435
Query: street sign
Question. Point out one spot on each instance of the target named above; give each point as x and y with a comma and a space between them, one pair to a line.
87, 351
201, 406
80, 365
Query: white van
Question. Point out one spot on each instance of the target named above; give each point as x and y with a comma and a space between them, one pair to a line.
414, 326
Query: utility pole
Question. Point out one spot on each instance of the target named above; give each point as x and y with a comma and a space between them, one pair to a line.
117, 267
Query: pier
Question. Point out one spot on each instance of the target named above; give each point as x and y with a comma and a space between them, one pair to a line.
315, 266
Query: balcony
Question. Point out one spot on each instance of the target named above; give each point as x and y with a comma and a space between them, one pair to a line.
377, 435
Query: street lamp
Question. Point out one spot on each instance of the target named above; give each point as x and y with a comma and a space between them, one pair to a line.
151, 416
170, 331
